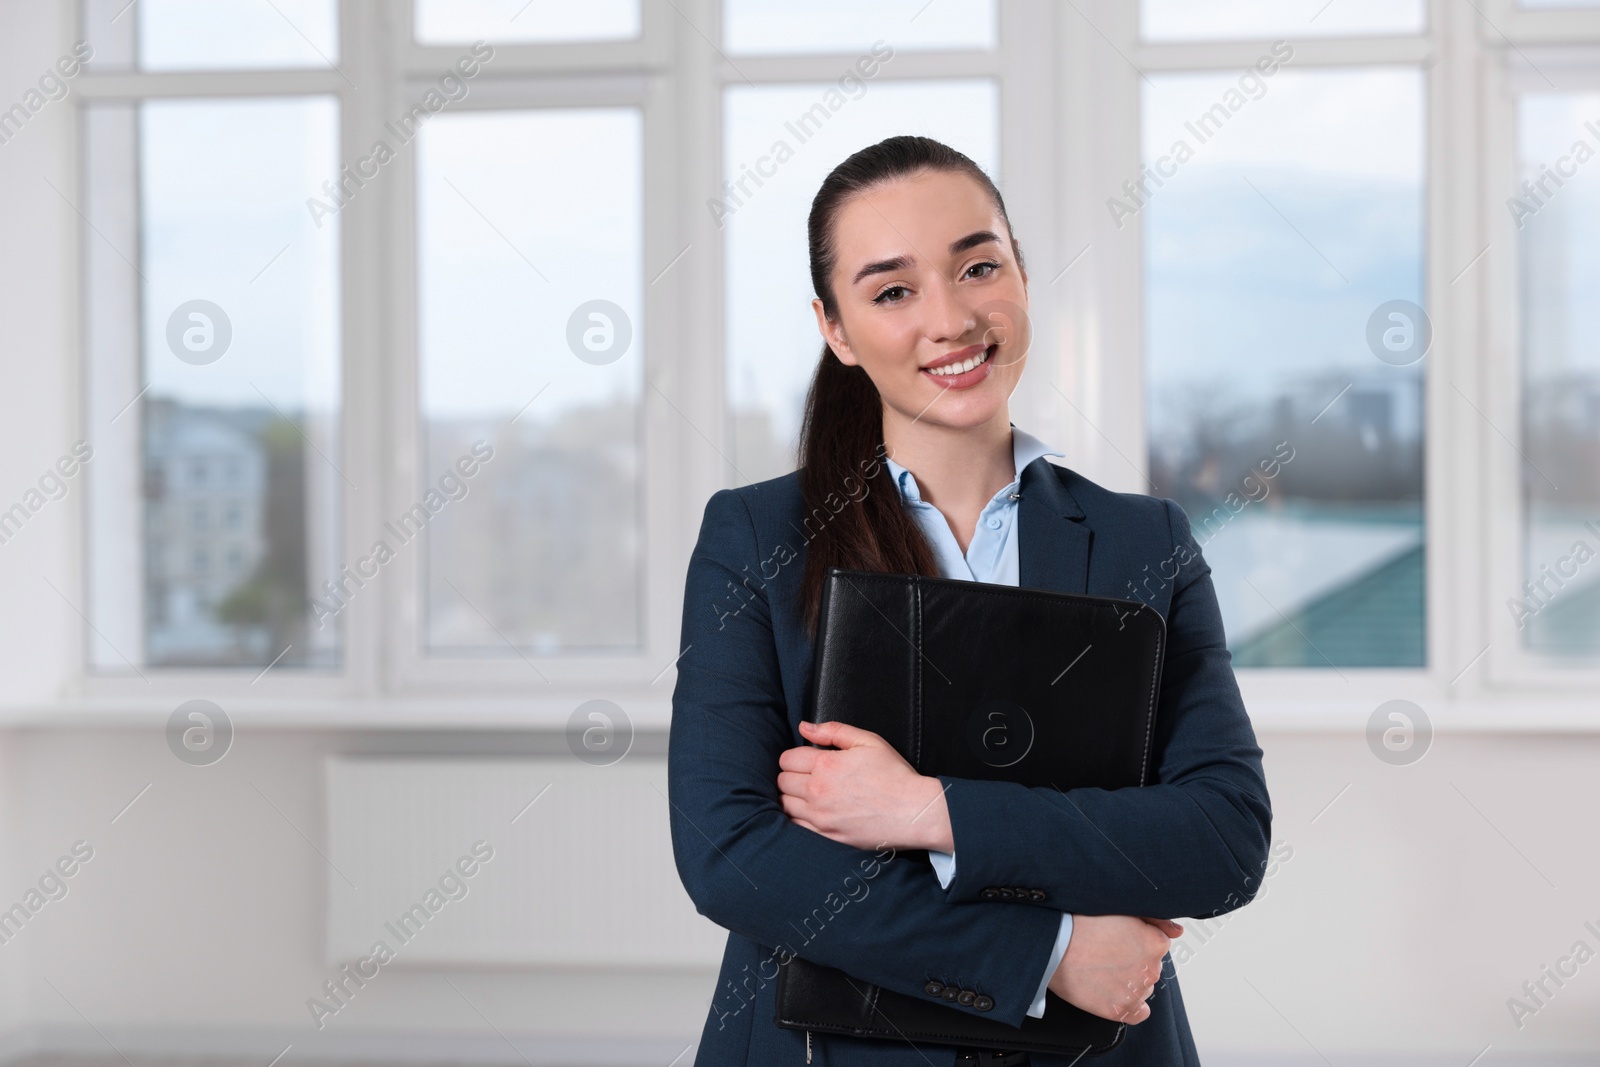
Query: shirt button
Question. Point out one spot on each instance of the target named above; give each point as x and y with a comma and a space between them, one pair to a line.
994, 522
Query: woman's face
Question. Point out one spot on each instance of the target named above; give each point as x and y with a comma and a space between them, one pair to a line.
925, 271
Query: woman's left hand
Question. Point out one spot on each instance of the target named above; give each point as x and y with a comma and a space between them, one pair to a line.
860, 791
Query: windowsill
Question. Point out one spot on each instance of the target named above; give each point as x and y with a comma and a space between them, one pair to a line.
1506, 714
314, 713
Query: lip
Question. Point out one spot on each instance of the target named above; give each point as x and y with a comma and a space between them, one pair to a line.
966, 379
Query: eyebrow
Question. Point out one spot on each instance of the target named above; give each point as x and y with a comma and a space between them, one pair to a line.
958, 246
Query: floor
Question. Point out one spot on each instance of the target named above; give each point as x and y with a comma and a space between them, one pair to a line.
142, 1061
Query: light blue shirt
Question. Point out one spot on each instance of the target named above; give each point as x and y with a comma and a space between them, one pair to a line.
991, 556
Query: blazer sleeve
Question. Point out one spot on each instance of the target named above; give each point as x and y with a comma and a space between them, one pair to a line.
878, 915
1192, 843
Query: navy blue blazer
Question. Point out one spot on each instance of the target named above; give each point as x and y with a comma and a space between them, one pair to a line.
1191, 844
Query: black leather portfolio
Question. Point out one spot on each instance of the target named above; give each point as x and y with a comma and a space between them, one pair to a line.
975, 680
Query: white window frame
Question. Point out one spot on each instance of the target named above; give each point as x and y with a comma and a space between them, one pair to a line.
1565, 46
1476, 676
156, 691
1069, 79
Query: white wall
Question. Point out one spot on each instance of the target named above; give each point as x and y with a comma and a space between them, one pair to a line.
203, 906
1401, 923
37, 359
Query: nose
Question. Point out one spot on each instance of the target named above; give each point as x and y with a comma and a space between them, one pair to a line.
949, 316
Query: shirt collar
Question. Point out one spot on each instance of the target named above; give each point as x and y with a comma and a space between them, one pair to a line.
1025, 448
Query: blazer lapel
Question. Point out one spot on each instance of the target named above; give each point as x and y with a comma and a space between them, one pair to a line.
1053, 550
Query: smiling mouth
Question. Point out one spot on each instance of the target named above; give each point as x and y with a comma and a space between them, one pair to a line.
950, 370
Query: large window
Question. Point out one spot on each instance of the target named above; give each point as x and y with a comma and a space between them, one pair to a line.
213, 357
528, 320
1247, 20
173, 35
507, 21
1556, 212
415, 335
1290, 216
826, 27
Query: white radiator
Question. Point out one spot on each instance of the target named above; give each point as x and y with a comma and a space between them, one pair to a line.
581, 875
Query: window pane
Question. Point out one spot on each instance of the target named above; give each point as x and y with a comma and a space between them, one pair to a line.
842, 26
530, 259
1210, 20
200, 235
772, 337
1286, 220
213, 34
496, 21
1558, 211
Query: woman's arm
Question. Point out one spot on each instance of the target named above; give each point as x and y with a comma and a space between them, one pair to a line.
1195, 844
750, 869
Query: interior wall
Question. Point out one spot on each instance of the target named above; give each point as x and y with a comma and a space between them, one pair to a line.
204, 900
1396, 918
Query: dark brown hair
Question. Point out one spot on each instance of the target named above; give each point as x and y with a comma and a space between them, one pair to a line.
841, 433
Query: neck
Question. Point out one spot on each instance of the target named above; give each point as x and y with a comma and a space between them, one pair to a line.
955, 467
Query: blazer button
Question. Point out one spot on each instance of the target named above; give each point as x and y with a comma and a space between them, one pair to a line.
933, 988
1007, 893
967, 997
950, 993
983, 1003
1036, 894
989, 892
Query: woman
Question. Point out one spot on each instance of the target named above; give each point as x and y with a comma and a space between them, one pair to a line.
811, 841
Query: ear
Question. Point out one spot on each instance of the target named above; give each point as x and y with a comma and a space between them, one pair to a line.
1016, 250
833, 333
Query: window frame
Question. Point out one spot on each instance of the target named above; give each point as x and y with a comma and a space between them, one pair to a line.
155, 689
1069, 90
1475, 677
1567, 45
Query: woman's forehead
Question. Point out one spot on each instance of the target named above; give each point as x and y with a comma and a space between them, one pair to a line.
918, 218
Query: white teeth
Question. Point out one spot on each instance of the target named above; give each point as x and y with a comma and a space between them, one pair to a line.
962, 367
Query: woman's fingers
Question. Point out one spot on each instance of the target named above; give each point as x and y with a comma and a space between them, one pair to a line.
802, 759
1166, 926
791, 783
838, 734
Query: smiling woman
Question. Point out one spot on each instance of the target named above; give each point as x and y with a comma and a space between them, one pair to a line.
898, 321
921, 300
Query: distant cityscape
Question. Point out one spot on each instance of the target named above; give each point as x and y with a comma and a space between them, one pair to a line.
547, 543
546, 552
224, 537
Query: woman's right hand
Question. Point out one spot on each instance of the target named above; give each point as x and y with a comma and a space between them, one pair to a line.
1112, 964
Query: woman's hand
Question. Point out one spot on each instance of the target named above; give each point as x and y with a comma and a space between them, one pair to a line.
860, 791
1112, 965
